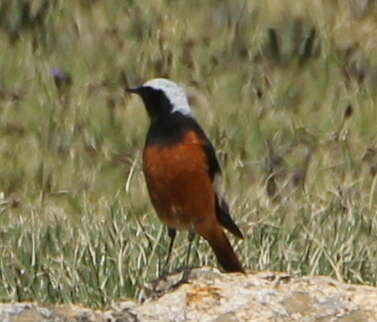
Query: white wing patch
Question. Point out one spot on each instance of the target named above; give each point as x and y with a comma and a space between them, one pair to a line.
174, 93
218, 185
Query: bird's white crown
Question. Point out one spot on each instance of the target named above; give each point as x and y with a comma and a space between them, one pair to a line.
173, 92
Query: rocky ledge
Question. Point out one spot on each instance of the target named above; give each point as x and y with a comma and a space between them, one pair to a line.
213, 296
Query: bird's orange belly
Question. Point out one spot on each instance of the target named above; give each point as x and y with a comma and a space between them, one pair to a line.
178, 182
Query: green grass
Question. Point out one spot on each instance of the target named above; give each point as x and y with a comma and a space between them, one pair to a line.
76, 224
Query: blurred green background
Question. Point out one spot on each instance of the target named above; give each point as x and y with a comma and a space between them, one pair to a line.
286, 90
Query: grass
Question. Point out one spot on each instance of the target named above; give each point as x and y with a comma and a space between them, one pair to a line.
285, 93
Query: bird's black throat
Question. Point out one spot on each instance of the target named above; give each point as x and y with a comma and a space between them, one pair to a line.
156, 103
171, 129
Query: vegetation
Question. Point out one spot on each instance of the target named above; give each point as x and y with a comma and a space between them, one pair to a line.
285, 90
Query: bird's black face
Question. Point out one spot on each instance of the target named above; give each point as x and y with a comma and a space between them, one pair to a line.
157, 104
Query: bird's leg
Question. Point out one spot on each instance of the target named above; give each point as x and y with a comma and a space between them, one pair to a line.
172, 233
187, 269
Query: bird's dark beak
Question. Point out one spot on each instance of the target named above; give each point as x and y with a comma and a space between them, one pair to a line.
135, 90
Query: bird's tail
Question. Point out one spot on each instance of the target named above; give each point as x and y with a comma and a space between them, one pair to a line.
223, 250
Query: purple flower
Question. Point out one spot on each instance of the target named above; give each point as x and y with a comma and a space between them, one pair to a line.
62, 79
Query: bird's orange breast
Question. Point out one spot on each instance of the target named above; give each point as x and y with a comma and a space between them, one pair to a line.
178, 182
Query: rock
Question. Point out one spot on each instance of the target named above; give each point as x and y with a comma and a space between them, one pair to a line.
214, 296
28, 312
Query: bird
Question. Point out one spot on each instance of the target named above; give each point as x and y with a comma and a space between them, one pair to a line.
181, 171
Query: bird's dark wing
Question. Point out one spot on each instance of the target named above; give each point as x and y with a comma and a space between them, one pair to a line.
223, 215
222, 209
214, 168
